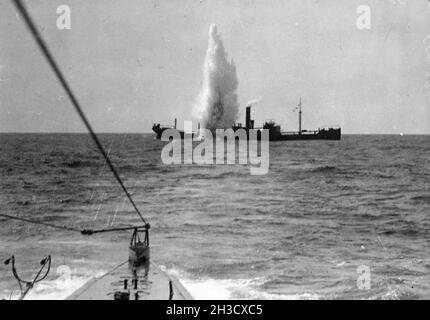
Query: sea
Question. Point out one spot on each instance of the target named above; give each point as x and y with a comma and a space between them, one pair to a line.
345, 219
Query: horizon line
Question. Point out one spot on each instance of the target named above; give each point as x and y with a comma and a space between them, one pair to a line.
149, 132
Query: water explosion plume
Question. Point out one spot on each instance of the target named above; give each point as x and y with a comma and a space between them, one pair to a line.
217, 105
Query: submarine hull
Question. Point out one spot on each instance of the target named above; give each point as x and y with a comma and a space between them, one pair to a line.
126, 282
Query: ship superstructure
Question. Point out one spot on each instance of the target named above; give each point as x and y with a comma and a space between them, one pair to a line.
275, 132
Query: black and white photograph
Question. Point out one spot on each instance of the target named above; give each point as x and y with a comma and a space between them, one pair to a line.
214, 150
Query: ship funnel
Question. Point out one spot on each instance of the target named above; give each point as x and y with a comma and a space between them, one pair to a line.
249, 124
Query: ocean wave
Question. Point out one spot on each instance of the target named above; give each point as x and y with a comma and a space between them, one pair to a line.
58, 288
421, 199
24, 202
241, 289
324, 169
80, 164
408, 232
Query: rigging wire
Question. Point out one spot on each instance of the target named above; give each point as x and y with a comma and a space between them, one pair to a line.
39, 222
43, 47
64, 227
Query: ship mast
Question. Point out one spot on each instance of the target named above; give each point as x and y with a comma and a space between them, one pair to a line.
300, 115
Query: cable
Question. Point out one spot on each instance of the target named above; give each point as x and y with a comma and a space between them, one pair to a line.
83, 231
39, 222
30, 24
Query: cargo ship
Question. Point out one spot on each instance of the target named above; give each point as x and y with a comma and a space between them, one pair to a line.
275, 132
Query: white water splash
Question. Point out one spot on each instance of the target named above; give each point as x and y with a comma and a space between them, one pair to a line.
63, 286
225, 289
241, 289
217, 106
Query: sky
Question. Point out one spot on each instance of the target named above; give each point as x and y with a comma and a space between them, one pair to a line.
132, 63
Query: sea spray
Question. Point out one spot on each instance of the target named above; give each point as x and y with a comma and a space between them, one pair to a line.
217, 106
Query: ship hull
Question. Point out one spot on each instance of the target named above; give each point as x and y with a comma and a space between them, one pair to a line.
159, 132
330, 134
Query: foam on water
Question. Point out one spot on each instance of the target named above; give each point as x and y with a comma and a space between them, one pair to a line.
227, 289
57, 288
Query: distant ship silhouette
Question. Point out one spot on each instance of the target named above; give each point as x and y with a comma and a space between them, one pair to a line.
275, 133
